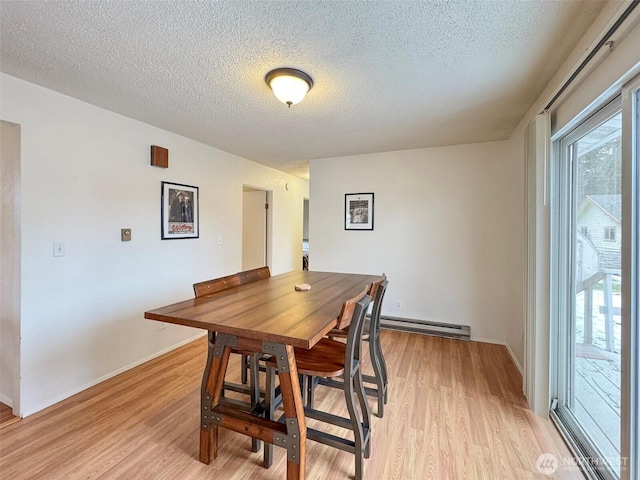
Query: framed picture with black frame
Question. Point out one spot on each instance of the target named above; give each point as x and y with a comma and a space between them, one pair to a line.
179, 211
358, 211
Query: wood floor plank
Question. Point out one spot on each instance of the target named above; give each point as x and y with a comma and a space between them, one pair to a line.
455, 411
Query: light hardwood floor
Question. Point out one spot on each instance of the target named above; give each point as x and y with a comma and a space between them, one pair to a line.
455, 411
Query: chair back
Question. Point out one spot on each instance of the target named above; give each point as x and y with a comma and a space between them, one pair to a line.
354, 338
377, 292
348, 308
254, 275
216, 285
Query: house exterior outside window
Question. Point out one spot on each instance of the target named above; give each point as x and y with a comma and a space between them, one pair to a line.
598, 219
610, 234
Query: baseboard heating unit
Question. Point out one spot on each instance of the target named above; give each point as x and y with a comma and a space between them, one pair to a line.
460, 332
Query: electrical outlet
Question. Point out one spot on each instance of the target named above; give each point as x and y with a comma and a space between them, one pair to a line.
162, 325
398, 305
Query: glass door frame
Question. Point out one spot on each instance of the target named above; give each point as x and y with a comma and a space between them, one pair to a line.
630, 357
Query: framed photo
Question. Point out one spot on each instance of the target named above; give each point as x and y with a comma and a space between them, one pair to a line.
179, 211
358, 211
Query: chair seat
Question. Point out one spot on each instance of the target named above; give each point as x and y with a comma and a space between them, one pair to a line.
325, 359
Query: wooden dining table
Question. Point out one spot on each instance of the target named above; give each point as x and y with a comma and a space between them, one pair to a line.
270, 317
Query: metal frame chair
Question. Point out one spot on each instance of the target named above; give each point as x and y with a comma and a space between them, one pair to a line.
331, 358
371, 334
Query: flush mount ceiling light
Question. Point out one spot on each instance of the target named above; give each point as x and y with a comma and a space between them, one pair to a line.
289, 85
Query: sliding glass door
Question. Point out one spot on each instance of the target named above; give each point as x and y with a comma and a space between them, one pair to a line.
595, 238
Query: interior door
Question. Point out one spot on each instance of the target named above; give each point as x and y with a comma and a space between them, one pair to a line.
254, 228
10, 235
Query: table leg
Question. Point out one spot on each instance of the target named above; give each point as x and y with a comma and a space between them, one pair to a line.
211, 391
294, 413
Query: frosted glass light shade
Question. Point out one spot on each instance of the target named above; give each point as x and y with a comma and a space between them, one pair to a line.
289, 85
289, 90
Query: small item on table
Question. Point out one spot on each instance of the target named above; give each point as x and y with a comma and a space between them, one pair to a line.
303, 287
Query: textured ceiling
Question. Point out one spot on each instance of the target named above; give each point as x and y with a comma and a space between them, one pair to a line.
388, 75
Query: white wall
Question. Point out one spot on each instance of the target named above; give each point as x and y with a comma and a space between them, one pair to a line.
514, 326
441, 230
86, 175
10, 264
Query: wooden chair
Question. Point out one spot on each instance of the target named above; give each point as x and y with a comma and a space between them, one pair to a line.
240, 278
371, 334
215, 285
332, 358
245, 277
249, 359
254, 275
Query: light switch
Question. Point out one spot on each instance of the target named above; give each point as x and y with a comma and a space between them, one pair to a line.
219, 239
59, 249
125, 234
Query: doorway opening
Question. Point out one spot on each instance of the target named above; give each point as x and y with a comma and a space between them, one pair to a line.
256, 227
305, 235
10, 270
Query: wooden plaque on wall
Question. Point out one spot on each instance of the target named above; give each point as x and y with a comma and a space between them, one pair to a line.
159, 157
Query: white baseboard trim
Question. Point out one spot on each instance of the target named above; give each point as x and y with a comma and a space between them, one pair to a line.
486, 340
515, 360
6, 400
95, 382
